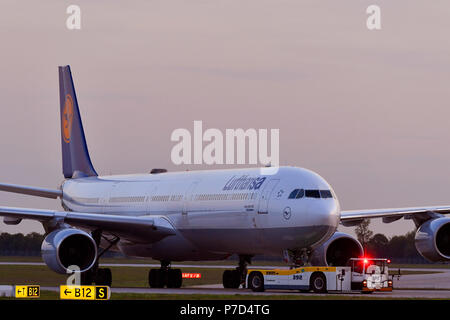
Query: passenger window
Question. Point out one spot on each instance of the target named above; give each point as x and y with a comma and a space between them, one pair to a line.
293, 194
325, 194
300, 194
312, 193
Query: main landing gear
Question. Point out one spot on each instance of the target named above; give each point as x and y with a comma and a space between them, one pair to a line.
235, 278
99, 276
157, 278
165, 276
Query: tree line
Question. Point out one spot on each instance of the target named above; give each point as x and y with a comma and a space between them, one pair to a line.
19, 244
400, 249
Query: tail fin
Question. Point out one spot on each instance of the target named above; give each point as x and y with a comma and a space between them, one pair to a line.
75, 155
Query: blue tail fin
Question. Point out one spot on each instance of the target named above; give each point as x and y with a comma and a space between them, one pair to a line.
75, 155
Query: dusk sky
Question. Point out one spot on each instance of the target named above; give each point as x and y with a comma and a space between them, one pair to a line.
367, 110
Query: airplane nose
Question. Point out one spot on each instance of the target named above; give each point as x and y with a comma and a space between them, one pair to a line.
325, 213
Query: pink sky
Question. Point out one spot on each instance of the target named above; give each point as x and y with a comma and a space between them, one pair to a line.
368, 110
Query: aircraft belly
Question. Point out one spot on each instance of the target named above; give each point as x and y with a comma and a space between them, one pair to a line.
172, 248
196, 244
254, 241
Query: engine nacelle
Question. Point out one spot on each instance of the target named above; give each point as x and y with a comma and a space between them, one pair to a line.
65, 247
433, 240
337, 250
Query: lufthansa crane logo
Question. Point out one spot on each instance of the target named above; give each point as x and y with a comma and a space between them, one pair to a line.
287, 213
67, 118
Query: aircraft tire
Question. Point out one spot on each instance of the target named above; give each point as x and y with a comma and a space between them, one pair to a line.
156, 278
174, 278
231, 279
103, 277
87, 278
226, 279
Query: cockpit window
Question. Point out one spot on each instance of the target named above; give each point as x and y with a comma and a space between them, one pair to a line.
312, 193
300, 193
325, 194
293, 194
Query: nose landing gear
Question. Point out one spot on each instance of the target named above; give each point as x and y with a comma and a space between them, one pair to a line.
297, 257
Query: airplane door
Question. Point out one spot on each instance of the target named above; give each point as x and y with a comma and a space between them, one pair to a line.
151, 208
262, 218
265, 196
188, 198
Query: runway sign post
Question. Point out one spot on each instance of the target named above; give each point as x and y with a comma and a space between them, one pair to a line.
85, 292
27, 291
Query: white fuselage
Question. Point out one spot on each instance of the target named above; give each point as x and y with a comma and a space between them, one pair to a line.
216, 213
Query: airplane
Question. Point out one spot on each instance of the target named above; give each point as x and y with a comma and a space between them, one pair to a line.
198, 215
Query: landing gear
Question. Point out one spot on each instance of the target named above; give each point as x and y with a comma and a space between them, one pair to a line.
99, 276
235, 278
103, 277
156, 278
174, 278
231, 279
87, 278
297, 257
165, 276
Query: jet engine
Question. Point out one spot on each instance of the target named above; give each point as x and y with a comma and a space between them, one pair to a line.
65, 247
337, 250
433, 240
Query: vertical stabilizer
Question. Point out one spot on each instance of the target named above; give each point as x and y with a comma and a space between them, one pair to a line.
75, 155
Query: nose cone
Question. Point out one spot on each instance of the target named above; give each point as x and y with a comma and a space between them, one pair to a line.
325, 213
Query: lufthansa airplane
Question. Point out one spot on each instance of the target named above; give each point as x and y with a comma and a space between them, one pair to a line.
199, 215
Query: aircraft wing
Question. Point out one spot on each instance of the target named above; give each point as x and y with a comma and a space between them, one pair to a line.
32, 191
418, 214
138, 229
